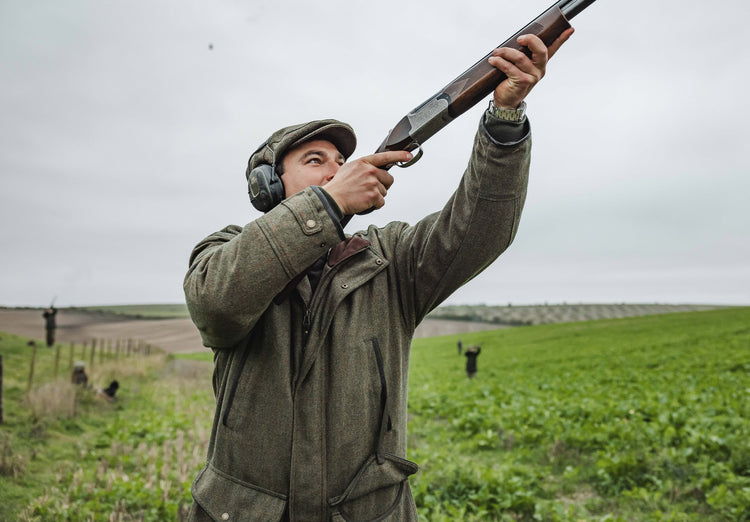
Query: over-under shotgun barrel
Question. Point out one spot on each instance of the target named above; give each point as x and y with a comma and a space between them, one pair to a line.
475, 83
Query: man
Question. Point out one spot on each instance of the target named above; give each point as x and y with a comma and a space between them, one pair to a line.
310, 373
79, 376
50, 325
472, 352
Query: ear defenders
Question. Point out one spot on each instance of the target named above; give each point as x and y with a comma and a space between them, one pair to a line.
264, 185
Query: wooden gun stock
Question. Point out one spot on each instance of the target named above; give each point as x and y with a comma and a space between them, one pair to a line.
475, 83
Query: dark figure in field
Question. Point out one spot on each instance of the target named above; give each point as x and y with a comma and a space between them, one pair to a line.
460, 347
111, 389
472, 352
50, 325
79, 374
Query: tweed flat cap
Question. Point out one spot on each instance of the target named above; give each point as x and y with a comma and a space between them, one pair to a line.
281, 141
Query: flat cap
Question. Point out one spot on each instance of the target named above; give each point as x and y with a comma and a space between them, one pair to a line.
283, 140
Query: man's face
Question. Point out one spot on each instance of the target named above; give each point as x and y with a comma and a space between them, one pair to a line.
312, 163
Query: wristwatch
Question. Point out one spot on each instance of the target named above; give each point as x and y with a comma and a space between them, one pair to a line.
516, 115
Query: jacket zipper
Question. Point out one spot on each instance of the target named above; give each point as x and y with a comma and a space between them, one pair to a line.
306, 325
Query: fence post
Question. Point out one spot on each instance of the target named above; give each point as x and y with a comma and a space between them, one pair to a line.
57, 358
70, 359
93, 353
31, 370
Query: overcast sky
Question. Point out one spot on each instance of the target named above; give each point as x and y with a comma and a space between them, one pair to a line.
126, 126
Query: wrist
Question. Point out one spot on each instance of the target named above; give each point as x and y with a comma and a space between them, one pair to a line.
333, 194
334, 204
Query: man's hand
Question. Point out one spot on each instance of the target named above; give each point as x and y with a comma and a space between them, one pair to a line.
523, 72
361, 184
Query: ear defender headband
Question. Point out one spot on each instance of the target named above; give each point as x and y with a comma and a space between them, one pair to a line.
264, 186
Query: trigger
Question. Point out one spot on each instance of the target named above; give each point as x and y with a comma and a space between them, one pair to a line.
412, 161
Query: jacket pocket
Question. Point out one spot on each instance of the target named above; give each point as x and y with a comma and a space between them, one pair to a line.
223, 498
378, 492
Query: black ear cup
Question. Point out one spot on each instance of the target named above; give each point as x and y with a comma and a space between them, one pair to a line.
264, 187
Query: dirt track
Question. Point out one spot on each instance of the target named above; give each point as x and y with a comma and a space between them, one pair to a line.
171, 335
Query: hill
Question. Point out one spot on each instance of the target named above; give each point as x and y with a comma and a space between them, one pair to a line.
495, 314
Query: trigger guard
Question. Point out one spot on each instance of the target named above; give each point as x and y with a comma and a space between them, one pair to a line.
411, 161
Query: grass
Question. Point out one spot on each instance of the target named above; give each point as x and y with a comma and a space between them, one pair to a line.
635, 419
66, 453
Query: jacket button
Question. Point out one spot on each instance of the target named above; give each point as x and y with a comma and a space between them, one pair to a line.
344, 286
311, 223
379, 262
225, 516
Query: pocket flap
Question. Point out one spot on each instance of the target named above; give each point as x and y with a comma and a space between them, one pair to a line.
373, 476
225, 498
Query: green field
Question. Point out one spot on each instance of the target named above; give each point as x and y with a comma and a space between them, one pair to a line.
644, 418
635, 419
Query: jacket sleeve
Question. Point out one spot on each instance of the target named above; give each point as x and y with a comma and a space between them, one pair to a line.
235, 273
445, 250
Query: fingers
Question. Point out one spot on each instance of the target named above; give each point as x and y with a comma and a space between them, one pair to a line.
523, 70
361, 184
539, 51
381, 159
553, 48
522, 74
372, 185
518, 64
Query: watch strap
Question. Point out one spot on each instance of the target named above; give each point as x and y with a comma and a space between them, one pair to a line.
517, 115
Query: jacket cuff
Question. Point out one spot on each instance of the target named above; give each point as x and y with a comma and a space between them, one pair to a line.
300, 230
331, 207
504, 133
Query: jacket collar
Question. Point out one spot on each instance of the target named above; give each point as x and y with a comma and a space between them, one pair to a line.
346, 249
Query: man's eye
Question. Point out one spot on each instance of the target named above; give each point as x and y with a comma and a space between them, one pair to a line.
314, 160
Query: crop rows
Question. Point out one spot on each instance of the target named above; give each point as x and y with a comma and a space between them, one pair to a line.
557, 313
632, 420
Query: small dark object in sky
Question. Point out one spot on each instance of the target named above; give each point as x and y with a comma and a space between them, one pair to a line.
210, 46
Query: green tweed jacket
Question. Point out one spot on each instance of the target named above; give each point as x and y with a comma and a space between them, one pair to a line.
310, 421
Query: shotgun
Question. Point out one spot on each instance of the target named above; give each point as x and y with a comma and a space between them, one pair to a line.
473, 85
